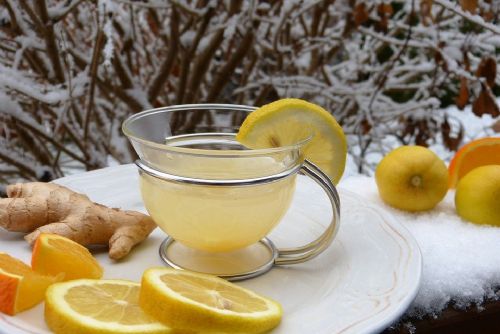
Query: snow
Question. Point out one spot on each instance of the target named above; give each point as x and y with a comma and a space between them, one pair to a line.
108, 47
230, 29
106, 9
264, 6
61, 9
140, 96
12, 108
493, 40
460, 259
48, 94
187, 38
304, 60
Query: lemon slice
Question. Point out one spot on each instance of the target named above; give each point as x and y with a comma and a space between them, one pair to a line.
205, 303
98, 306
289, 121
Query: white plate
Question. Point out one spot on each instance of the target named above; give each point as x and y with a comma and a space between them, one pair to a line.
361, 284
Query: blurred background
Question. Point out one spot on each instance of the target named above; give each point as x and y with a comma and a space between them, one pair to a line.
391, 72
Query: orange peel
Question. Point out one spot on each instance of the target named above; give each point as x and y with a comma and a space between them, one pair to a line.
54, 254
21, 288
479, 152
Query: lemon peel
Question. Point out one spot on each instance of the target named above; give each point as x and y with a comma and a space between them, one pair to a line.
98, 306
477, 197
412, 178
205, 303
289, 121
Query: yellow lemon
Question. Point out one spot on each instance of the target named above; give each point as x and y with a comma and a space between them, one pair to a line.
289, 121
88, 306
412, 178
205, 303
477, 198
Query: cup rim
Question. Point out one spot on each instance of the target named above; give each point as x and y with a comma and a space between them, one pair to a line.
205, 152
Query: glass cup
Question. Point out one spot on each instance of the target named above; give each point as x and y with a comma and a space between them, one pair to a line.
209, 193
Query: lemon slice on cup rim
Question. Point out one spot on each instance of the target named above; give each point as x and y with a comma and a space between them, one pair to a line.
289, 121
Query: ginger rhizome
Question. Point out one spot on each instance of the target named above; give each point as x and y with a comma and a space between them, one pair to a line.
37, 207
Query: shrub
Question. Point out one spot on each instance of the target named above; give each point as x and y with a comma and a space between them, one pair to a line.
71, 71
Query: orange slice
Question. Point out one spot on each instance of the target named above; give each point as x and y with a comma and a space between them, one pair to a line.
20, 287
479, 152
54, 254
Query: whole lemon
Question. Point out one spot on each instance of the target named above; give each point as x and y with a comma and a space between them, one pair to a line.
477, 198
412, 178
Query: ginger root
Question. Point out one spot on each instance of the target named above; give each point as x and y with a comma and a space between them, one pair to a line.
38, 207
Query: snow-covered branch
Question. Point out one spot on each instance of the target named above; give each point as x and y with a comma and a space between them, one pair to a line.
468, 16
71, 71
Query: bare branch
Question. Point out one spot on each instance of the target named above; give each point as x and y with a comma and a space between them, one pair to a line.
99, 42
201, 66
166, 66
224, 75
50, 40
187, 58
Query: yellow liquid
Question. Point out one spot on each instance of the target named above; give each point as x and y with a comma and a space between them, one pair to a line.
218, 219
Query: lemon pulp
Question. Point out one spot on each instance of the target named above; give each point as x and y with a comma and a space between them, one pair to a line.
290, 121
98, 306
205, 303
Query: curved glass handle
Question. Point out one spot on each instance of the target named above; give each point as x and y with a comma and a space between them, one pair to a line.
316, 247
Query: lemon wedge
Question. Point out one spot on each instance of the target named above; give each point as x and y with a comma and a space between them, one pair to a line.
98, 306
205, 303
290, 121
